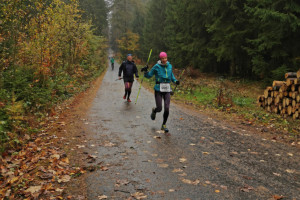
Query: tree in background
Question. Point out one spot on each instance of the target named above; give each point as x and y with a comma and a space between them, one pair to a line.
97, 11
275, 45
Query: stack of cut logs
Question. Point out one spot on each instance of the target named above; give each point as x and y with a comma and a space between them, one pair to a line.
283, 97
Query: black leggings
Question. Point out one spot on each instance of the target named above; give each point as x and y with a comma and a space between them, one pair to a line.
128, 86
159, 96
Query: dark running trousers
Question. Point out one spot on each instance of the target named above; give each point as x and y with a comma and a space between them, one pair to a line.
159, 96
128, 86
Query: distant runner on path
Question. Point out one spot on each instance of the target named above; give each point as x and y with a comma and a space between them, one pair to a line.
129, 69
112, 61
163, 77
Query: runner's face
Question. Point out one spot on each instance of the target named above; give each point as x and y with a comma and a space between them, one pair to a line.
129, 58
164, 60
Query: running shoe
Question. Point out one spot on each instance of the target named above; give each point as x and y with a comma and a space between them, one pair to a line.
128, 100
164, 128
153, 114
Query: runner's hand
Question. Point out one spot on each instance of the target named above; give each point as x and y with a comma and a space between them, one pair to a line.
145, 69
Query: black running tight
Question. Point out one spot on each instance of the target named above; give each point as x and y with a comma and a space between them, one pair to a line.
159, 96
128, 86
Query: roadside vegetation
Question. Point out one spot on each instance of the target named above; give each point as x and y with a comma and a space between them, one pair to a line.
48, 53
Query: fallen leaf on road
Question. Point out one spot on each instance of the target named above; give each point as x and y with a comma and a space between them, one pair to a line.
171, 190
103, 168
206, 153
109, 144
247, 188
157, 137
290, 154
183, 174
276, 197
221, 143
177, 170
223, 187
163, 165
80, 146
139, 195
276, 174
121, 182
192, 144
92, 156
247, 177
182, 160
290, 171
160, 131
187, 181
102, 197
217, 191
207, 182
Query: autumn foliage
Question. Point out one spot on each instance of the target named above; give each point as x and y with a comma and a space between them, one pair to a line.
47, 53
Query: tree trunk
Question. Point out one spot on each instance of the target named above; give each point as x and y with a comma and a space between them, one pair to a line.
291, 75
290, 81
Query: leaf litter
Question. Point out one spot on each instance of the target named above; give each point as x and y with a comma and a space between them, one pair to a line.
36, 171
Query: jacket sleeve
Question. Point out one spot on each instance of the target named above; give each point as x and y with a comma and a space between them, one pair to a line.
121, 69
136, 71
173, 79
151, 72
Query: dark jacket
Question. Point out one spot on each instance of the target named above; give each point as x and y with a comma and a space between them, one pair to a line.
129, 69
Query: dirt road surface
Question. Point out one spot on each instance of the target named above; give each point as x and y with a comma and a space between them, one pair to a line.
202, 158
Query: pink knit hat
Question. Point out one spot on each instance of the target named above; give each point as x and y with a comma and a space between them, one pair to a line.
162, 54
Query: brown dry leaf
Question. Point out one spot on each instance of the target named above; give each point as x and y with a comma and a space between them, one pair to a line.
121, 182
177, 170
290, 171
276, 197
246, 188
139, 195
64, 179
92, 156
171, 190
223, 187
34, 189
109, 144
217, 191
55, 156
276, 174
187, 181
163, 165
103, 168
206, 153
221, 143
157, 137
182, 175
182, 160
102, 197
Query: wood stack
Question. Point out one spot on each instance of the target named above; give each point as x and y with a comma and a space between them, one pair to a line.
283, 97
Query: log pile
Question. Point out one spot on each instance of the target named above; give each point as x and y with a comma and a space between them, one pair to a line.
283, 97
